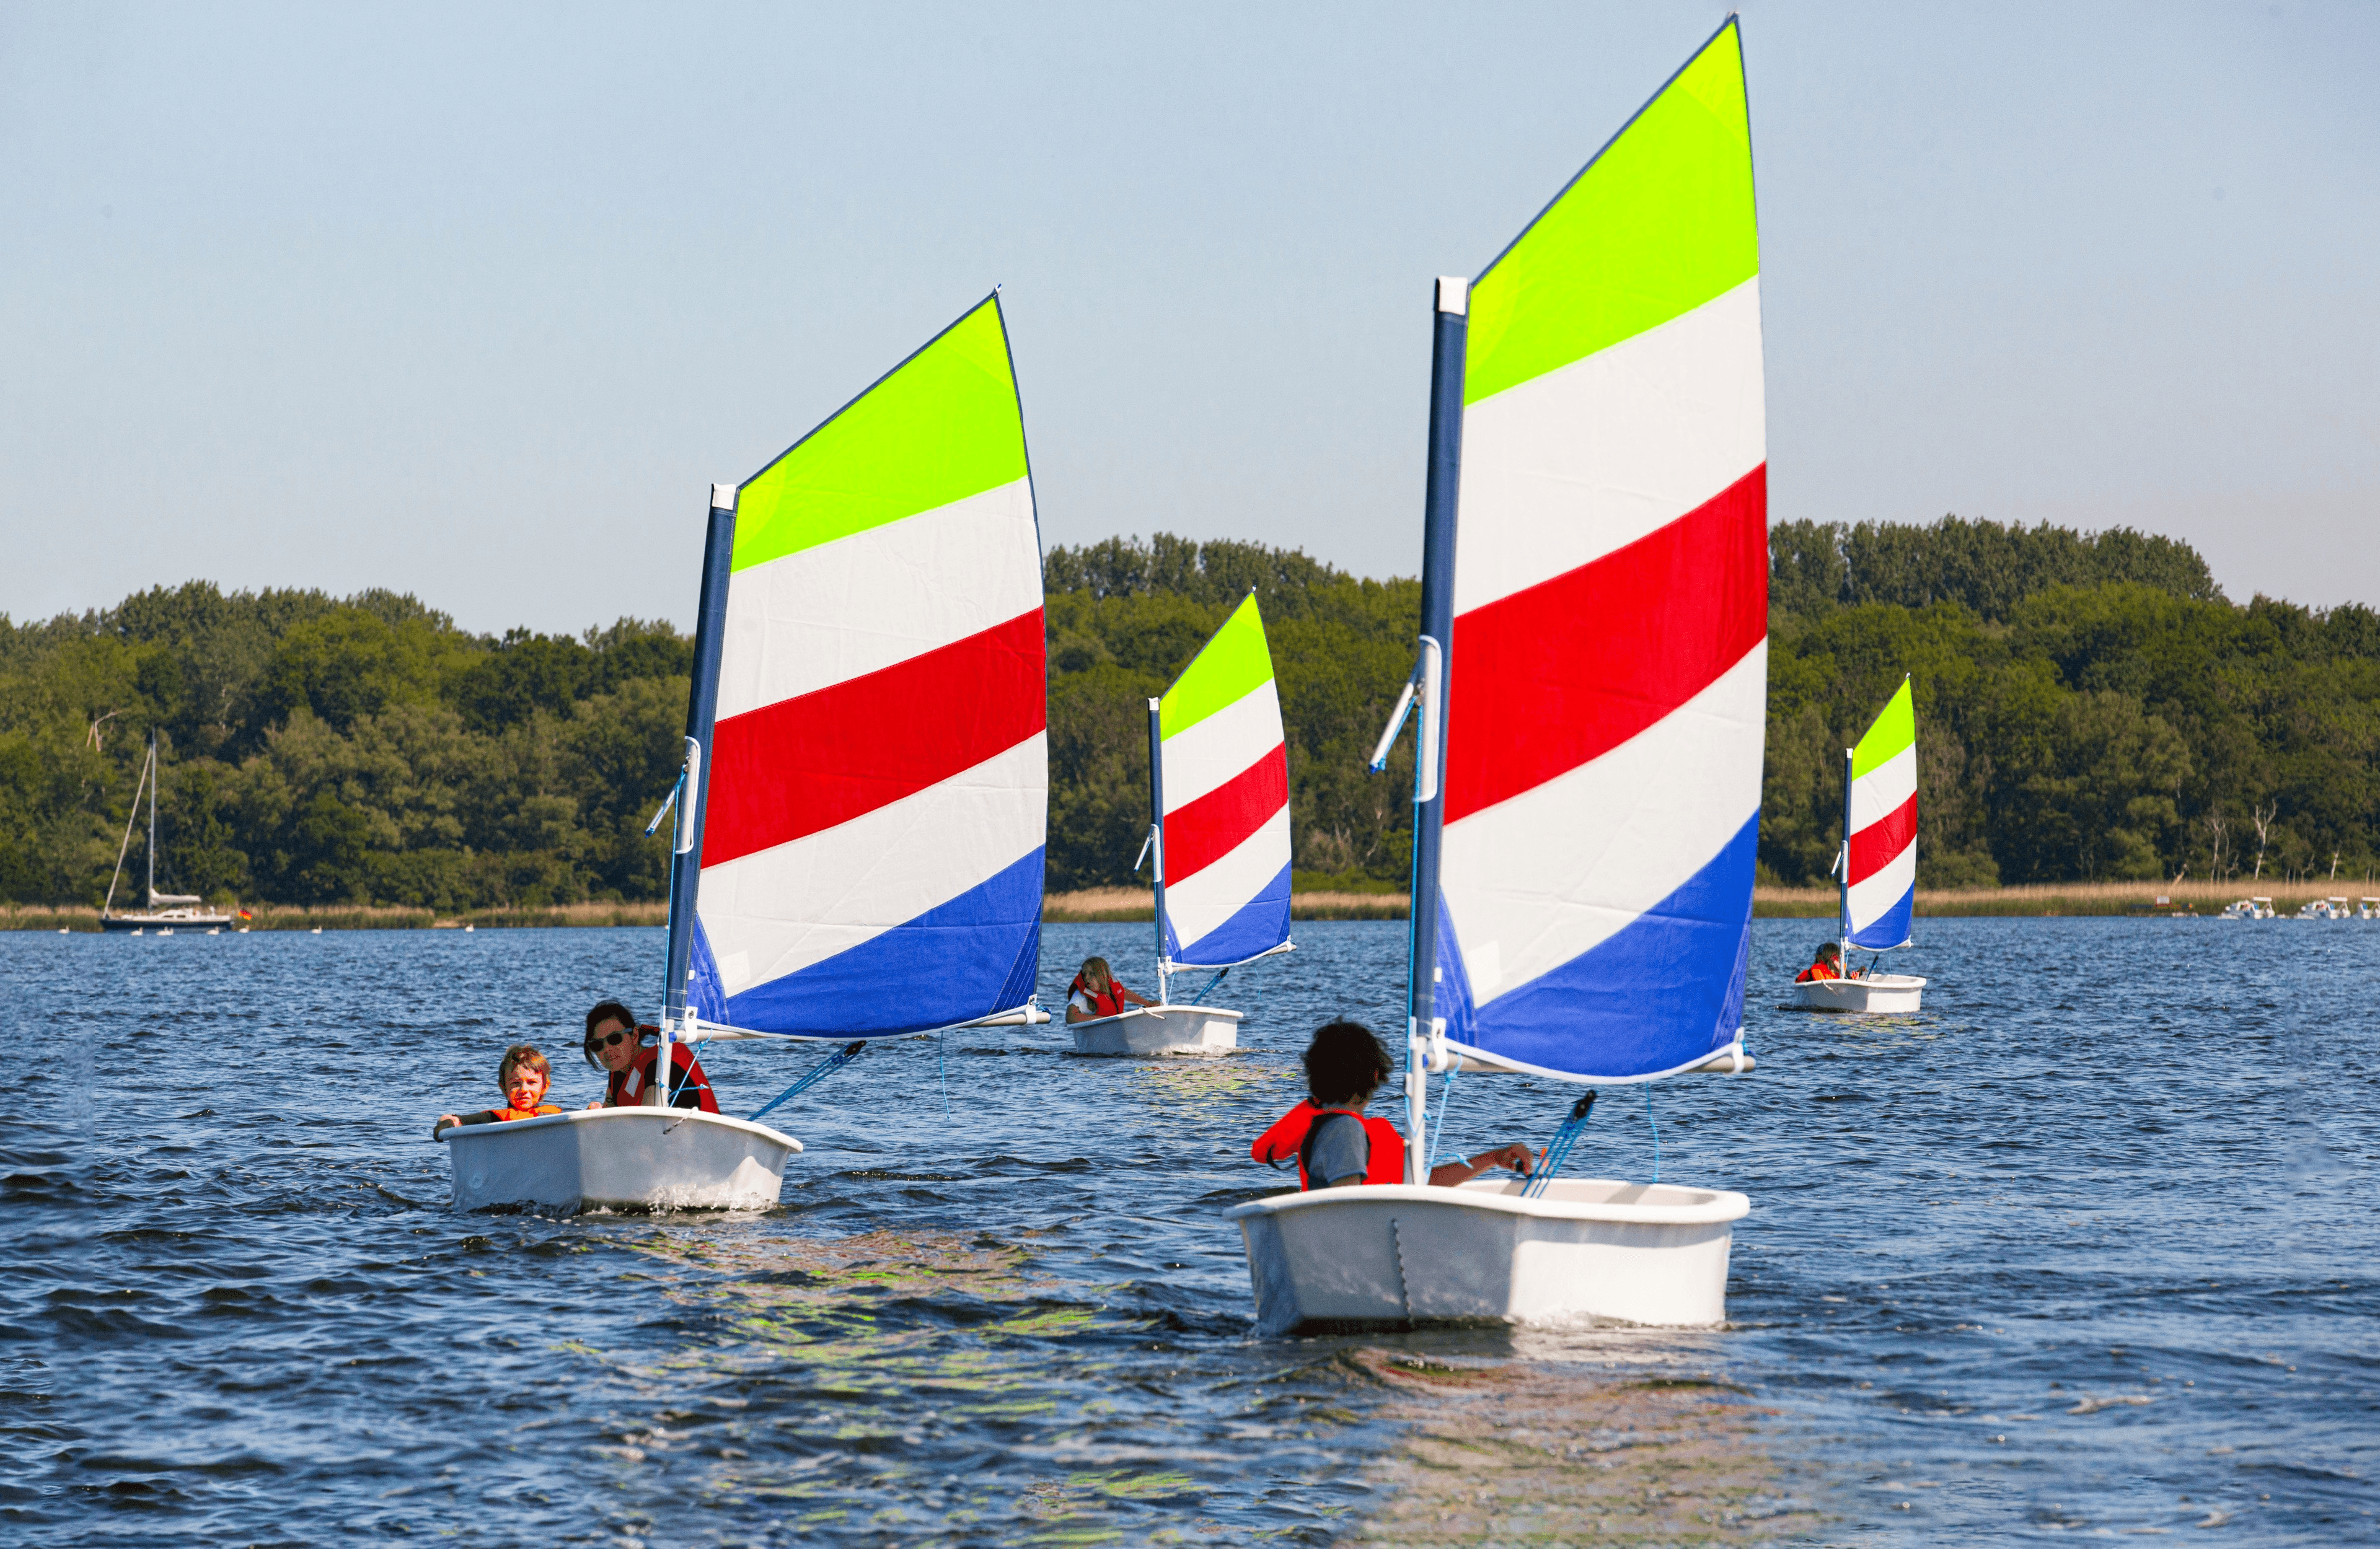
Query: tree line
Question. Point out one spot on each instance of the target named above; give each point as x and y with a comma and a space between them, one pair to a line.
2090, 707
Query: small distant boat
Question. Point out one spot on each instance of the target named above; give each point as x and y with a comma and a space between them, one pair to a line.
1590, 692
1218, 833
2368, 909
2249, 908
164, 909
862, 812
1876, 870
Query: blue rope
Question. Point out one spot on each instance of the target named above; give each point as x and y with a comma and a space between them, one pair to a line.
1205, 989
826, 1067
1437, 1131
1557, 1153
1656, 1123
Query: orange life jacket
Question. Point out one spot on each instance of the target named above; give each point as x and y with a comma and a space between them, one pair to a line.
627, 1088
1111, 1004
508, 1111
1817, 971
1287, 1139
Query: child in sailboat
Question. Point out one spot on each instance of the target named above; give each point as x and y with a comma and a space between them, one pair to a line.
1827, 964
618, 1044
1336, 1145
1096, 993
523, 1077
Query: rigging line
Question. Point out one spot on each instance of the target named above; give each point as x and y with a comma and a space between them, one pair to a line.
1656, 1123
828, 1066
1208, 988
1437, 1131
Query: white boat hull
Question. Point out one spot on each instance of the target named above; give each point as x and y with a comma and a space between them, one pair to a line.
634, 1158
1876, 992
1589, 1251
1147, 1030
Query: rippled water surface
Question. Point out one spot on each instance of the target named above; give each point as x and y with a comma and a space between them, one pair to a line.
2089, 1246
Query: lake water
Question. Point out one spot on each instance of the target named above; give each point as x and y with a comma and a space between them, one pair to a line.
2089, 1247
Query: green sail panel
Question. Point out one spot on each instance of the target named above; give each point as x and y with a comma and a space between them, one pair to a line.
941, 425
1229, 668
1894, 732
1660, 222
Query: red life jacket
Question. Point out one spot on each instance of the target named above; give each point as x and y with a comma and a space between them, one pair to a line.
1287, 1139
1111, 1004
627, 1088
508, 1111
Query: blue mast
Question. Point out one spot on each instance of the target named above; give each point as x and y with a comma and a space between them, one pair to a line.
1430, 675
701, 713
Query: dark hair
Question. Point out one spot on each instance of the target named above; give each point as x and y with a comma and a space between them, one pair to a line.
1827, 950
519, 1056
1345, 1061
605, 1011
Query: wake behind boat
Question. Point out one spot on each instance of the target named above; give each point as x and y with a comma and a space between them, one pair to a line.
861, 815
1218, 833
1591, 697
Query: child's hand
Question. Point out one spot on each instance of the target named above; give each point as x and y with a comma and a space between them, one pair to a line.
593, 1106
440, 1128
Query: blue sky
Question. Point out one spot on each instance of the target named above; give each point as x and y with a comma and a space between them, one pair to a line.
476, 301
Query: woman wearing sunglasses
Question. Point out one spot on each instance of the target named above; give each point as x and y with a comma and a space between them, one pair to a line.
616, 1043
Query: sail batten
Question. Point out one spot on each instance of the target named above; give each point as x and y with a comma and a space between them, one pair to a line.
878, 781
1607, 672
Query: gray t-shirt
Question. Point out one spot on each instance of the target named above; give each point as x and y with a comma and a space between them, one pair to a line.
1340, 1152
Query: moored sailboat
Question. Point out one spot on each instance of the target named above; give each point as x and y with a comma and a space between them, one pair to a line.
861, 818
1219, 834
165, 911
1590, 696
1876, 870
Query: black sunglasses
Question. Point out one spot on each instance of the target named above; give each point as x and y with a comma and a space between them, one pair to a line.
607, 1040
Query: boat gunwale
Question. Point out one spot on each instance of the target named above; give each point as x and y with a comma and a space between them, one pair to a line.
1724, 1204
1155, 1010
585, 1116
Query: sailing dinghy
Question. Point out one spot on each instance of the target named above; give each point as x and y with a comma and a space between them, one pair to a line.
1218, 833
1877, 869
862, 813
1590, 694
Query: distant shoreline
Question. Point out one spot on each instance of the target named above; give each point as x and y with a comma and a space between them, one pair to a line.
1128, 905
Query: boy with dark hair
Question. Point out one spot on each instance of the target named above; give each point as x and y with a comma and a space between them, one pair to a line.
523, 1077
1336, 1145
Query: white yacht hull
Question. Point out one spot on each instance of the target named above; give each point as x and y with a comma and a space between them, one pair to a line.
1876, 992
1159, 1030
1588, 1251
634, 1158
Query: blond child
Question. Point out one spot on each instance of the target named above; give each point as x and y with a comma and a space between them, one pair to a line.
524, 1076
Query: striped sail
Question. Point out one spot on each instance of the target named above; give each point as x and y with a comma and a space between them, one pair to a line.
1225, 824
1880, 875
878, 779
1608, 661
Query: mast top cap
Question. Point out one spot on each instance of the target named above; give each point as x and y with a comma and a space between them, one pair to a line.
722, 497
1453, 294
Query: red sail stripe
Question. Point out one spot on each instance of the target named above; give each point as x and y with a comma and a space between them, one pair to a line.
1554, 676
808, 763
1878, 844
1199, 833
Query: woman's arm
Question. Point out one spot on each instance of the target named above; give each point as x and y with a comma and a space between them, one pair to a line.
1518, 1157
1074, 1013
1134, 997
